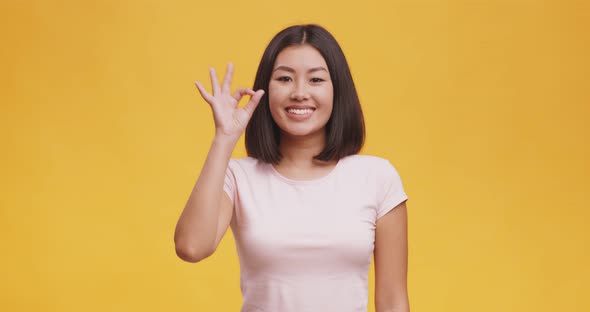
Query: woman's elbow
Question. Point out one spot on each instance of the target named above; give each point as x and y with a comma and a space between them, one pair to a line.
192, 255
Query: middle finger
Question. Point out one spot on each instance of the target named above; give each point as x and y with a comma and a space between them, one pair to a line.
214, 82
227, 79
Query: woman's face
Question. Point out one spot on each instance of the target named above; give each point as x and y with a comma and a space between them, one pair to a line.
300, 91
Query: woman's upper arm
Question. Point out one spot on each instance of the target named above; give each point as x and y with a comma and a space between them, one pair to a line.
226, 208
391, 259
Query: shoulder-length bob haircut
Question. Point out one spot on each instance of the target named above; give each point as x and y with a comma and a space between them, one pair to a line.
345, 130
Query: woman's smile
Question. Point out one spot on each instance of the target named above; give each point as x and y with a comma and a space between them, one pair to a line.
299, 113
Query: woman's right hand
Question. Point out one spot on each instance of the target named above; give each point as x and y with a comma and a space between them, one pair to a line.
230, 120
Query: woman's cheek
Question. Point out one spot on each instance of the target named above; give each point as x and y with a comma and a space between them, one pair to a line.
275, 94
325, 96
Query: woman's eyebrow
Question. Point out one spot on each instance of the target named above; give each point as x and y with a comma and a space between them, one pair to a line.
316, 69
291, 70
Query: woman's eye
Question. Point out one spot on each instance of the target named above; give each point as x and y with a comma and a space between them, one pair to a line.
316, 80
284, 78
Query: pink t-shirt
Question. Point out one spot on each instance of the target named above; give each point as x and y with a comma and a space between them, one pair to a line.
306, 246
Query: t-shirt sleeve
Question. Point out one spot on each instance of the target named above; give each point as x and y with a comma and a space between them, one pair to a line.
390, 190
229, 184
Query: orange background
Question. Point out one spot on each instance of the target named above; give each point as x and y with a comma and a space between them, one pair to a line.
482, 106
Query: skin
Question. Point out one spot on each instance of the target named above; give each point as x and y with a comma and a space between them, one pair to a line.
391, 261
301, 77
208, 212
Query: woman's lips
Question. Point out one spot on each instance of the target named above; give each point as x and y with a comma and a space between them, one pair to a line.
299, 114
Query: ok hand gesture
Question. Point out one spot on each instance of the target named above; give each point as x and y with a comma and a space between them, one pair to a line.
230, 120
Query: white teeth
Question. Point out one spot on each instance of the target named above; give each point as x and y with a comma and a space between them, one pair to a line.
300, 111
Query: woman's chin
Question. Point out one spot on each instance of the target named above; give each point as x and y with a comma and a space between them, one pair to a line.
301, 132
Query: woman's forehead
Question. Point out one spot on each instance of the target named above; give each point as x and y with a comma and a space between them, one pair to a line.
300, 58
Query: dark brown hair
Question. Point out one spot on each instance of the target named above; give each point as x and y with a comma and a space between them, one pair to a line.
345, 130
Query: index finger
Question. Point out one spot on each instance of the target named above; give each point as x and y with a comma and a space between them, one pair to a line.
214, 82
241, 92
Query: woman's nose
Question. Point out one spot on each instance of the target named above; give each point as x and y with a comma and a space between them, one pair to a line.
299, 92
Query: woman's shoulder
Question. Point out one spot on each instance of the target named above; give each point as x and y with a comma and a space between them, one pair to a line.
371, 164
365, 160
247, 164
244, 161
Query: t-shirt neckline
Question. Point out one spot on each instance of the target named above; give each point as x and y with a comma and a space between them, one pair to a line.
306, 182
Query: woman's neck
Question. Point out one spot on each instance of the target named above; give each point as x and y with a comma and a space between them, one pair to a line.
298, 152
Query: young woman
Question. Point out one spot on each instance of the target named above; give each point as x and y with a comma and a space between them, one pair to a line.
307, 212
